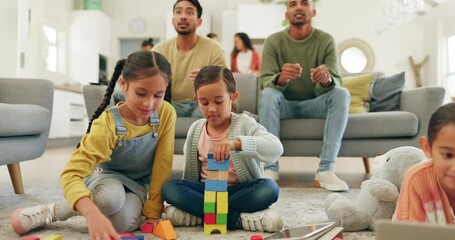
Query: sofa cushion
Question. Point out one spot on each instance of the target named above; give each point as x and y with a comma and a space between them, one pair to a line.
182, 125
385, 93
359, 88
23, 119
366, 125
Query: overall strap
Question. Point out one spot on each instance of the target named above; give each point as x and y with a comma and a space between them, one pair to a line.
154, 120
120, 126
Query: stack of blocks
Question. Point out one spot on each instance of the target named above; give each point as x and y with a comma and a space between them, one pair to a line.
216, 196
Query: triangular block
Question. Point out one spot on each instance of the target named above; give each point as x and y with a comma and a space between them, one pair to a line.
165, 230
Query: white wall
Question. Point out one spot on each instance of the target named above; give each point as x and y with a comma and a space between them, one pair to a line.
8, 39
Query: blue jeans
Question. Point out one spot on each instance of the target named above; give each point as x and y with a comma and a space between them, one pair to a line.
251, 196
332, 105
187, 109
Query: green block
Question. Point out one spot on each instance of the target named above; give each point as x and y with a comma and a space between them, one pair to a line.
221, 218
209, 207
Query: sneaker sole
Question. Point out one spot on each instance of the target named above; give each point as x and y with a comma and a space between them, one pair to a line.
16, 223
328, 187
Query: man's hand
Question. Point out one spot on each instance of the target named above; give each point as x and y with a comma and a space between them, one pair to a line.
193, 74
321, 75
289, 71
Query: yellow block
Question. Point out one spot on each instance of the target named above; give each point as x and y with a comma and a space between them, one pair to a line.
53, 237
218, 175
221, 207
221, 197
209, 228
209, 196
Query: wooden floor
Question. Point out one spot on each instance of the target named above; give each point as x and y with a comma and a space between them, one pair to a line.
295, 172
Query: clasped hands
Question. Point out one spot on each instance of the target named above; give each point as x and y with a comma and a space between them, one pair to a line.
291, 71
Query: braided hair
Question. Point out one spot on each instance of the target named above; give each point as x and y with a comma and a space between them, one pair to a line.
138, 65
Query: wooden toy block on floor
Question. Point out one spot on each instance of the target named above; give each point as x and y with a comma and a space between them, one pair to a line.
124, 234
221, 197
135, 237
30, 238
210, 228
147, 228
221, 207
212, 165
53, 237
165, 230
210, 218
216, 185
209, 207
221, 218
209, 196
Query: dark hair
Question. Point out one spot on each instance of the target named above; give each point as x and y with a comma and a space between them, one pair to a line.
212, 35
443, 116
147, 42
246, 41
195, 3
138, 65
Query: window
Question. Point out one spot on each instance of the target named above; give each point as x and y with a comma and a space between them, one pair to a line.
50, 48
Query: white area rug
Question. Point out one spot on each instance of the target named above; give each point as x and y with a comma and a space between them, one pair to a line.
297, 206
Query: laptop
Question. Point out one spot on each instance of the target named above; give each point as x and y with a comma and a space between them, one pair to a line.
308, 232
388, 230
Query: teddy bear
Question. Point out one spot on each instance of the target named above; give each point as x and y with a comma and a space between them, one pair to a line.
378, 196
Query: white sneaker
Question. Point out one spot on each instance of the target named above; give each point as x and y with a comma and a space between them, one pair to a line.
271, 174
181, 218
330, 181
25, 219
266, 220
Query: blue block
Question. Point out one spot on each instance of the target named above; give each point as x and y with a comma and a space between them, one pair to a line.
216, 185
212, 165
137, 237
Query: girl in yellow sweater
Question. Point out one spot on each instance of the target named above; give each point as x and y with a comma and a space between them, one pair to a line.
114, 177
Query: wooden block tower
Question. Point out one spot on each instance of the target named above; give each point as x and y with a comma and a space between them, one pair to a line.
216, 196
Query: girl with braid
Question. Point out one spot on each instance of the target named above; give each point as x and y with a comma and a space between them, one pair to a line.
114, 177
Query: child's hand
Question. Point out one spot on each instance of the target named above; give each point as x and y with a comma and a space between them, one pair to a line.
222, 149
99, 227
153, 221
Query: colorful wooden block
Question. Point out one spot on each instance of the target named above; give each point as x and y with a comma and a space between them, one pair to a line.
124, 234
221, 218
212, 228
221, 208
218, 174
147, 228
210, 218
53, 237
209, 196
221, 197
209, 207
135, 237
165, 230
30, 238
216, 185
213, 165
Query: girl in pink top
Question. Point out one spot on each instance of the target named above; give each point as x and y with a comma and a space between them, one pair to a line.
428, 189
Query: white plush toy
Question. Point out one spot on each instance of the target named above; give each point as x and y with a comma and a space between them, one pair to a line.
378, 196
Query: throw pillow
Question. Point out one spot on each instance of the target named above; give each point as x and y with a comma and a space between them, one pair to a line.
385, 94
359, 88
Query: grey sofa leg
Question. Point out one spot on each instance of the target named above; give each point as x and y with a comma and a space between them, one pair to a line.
366, 164
14, 170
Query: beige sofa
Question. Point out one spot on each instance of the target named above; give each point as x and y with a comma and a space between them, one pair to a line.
366, 135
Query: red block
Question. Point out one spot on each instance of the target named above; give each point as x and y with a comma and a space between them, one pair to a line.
147, 228
256, 237
210, 218
30, 238
122, 234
